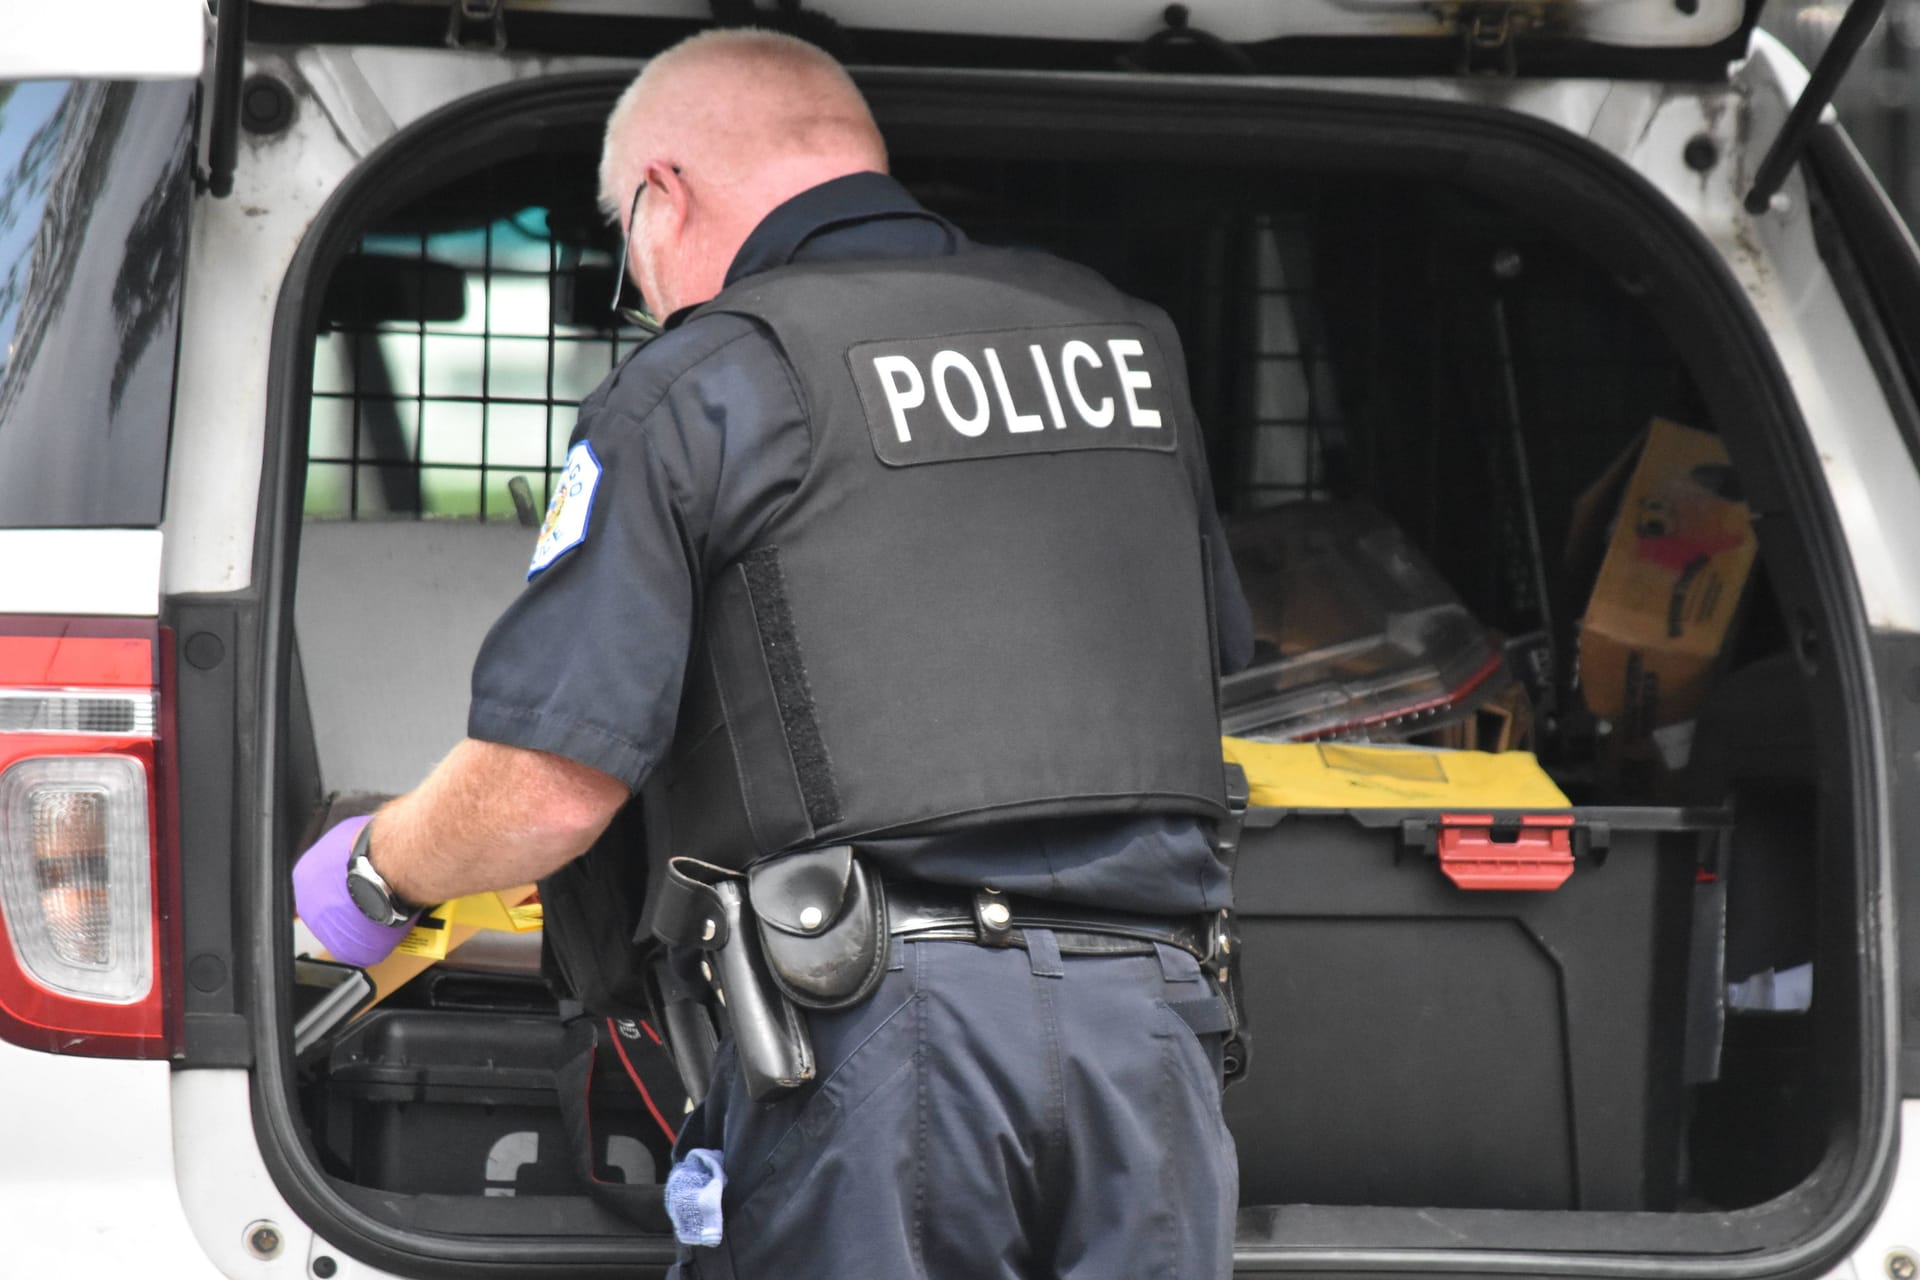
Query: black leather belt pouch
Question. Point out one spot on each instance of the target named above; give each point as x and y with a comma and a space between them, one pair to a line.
822, 919
706, 906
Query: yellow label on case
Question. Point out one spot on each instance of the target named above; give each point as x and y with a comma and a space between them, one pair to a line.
427, 939
439, 933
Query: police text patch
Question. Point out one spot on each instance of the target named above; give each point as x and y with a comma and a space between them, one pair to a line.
566, 524
982, 395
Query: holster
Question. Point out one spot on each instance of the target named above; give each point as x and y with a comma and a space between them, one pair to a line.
707, 909
1224, 959
804, 930
680, 1000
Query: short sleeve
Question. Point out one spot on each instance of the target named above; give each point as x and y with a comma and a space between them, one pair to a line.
673, 469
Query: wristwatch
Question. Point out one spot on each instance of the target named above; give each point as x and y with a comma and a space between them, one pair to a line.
369, 889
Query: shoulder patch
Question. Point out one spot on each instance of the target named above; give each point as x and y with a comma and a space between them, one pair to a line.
572, 507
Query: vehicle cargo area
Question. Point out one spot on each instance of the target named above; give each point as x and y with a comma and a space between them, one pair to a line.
1537, 922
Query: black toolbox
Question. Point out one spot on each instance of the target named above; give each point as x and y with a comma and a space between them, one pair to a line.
1472, 1010
436, 1101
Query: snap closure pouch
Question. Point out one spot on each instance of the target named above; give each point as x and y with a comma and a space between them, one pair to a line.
802, 893
822, 924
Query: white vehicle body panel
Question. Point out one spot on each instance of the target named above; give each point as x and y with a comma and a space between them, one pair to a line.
88, 1188
1896, 1231
1868, 469
102, 39
241, 249
80, 571
227, 1190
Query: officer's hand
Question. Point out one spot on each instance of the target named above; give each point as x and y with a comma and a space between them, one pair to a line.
320, 898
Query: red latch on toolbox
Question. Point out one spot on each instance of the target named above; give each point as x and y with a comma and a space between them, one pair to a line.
1539, 857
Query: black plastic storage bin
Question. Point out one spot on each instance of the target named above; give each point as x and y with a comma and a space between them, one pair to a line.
1420, 1043
431, 1101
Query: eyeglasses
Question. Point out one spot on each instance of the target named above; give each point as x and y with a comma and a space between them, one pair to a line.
631, 315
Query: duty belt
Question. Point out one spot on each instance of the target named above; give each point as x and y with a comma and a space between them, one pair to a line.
921, 912
809, 930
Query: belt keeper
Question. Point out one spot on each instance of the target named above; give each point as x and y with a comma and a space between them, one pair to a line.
993, 916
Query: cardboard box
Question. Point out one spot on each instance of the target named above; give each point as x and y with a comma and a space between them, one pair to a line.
1669, 587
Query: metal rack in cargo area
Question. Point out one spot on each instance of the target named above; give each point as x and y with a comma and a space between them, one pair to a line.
1466, 373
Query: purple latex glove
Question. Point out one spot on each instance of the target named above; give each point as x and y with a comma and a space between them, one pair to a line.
321, 899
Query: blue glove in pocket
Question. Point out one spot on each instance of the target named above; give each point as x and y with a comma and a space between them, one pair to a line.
693, 1193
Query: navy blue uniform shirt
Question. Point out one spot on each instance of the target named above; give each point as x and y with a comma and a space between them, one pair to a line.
698, 438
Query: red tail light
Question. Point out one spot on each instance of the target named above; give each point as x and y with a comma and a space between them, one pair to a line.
85, 865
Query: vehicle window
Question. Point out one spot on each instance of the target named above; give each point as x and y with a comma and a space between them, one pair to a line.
28, 114
94, 190
456, 346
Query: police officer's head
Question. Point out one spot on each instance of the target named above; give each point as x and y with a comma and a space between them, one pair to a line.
715, 133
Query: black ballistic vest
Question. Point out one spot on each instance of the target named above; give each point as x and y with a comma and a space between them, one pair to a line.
987, 600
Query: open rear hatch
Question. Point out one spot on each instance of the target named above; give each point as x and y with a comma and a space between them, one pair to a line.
1437, 344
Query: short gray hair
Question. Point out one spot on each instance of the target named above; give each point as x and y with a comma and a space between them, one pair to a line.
772, 49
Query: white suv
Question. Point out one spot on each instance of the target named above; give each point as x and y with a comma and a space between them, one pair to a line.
290, 305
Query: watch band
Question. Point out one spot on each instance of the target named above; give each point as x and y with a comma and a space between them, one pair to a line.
360, 867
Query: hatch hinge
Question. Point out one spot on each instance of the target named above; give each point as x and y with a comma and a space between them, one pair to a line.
1489, 31
476, 24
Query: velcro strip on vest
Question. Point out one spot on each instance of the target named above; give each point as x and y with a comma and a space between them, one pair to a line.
767, 587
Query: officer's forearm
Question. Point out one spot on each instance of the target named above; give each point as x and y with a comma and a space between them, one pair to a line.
489, 817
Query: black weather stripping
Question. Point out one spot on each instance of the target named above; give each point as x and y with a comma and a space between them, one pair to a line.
1821, 86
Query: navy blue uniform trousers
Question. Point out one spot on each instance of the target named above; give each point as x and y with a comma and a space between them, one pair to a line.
992, 1114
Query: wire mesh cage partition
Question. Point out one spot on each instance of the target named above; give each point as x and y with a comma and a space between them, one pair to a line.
457, 343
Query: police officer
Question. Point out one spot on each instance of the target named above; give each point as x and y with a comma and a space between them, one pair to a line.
895, 540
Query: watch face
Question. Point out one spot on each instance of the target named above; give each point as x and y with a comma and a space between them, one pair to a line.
371, 899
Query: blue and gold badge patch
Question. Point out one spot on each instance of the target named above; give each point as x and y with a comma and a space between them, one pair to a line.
567, 515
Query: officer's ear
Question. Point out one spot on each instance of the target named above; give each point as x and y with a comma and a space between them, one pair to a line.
670, 185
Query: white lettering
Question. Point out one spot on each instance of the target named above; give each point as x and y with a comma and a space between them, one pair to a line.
1133, 381
904, 390
1045, 371
1016, 421
943, 364
1078, 352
